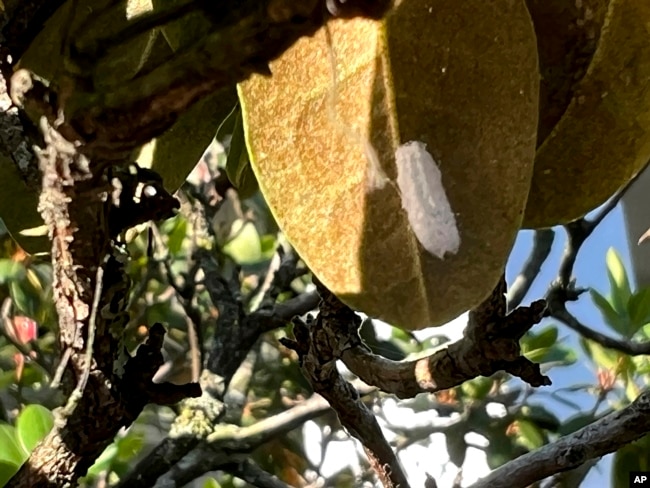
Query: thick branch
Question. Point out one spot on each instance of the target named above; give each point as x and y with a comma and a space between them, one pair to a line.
490, 344
602, 437
116, 121
90, 289
319, 344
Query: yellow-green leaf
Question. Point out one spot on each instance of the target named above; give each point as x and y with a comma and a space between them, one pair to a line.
602, 136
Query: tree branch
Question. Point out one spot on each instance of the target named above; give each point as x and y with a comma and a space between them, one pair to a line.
563, 289
557, 310
232, 444
83, 222
235, 333
251, 473
490, 344
319, 343
598, 439
120, 118
542, 243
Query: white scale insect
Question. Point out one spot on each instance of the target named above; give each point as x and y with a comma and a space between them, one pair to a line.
425, 201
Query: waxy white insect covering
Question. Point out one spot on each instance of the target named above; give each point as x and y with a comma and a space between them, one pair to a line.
425, 201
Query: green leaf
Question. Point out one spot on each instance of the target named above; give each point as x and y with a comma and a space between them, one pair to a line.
104, 461
177, 151
25, 297
575, 423
129, 445
33, 424
211, 483
537, 355
626, 366
541, 417
638, 308
603, 357
619, 282
477, 388
11, 450
7, 470
543, 347
631, 457
227, 126
120, 468
269, 245
499, 454
238, 166
559, 355
11, 270
44, 273
7, 378
177, 235
545, 338
245, 246
401, 335
31, 375
530, 435
642, 364
611, 317
631, 388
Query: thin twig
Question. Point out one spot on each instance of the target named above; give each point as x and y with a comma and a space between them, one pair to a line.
614, 200
77, 393
195, 351
579, 230
542, 243
557, 310
563, 289
248, 438
60, 369
232, 443
92, 324
185, 295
